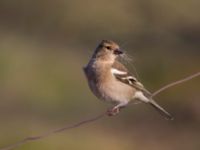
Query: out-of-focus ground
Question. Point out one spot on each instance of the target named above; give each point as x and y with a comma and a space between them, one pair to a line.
45, 43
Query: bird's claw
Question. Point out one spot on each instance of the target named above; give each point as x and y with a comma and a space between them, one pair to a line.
113, 111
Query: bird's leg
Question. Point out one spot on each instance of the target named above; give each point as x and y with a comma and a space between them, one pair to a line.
113, 111
116, 109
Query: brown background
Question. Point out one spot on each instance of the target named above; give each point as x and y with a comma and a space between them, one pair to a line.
44, 45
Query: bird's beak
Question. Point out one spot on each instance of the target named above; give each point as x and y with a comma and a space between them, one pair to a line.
118, 52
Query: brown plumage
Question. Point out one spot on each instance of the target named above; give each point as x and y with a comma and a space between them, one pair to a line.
111, 81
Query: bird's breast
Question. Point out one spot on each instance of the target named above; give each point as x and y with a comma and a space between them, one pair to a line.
106, 87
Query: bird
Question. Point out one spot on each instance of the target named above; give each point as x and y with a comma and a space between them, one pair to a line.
110, 81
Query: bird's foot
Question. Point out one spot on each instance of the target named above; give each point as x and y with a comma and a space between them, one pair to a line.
113, 111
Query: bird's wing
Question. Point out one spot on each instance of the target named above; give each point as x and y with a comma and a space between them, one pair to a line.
122, 74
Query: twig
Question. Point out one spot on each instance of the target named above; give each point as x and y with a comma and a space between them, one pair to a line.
175, 83
76, 125
68, 127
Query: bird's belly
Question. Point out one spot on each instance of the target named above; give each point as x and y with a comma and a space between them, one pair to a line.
116, 94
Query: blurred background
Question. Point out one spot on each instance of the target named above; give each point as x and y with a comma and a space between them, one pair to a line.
45, 43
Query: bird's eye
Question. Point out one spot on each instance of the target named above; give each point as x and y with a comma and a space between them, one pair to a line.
108, 47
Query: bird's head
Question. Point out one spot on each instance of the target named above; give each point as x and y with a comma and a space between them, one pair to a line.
107, 50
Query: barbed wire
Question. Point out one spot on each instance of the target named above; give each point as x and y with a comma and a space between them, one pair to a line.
90, 120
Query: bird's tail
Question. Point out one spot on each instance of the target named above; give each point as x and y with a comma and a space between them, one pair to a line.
161, 110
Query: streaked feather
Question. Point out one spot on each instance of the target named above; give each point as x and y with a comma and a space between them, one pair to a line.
127, 78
